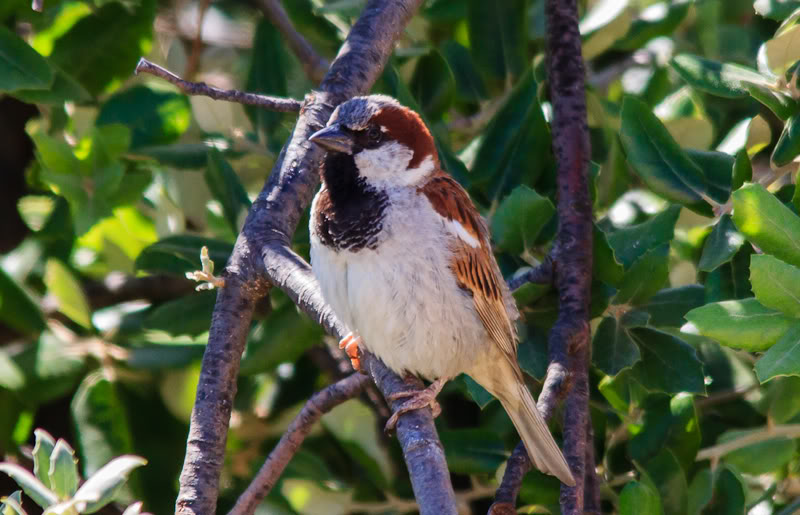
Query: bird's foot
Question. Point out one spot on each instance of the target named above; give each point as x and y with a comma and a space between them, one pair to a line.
350, 345
417, 399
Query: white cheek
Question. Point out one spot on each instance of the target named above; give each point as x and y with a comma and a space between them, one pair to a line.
387, 166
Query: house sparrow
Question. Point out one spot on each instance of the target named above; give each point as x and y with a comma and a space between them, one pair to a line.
403, 258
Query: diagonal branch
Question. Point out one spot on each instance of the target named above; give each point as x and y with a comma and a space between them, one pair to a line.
569, 337
281, 105
314, 65
262, 251
319, 404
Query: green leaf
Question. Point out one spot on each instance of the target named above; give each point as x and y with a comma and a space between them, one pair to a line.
783, 358
788, 145
157, 357
432, 84
631, 243
63, 473
180, 254
776, 101
12, 505
684, 436
269, 66
729, 494
68, 293
478, 393
473, 451
468, 82
17, 309
645, 277
32, 487
613, 348
776, 284
104, 47
515, 147
64, 89
701, 491
668, 307
639, 499
190, 314
721, 245
154, 117
740, 324
101, 421
179, 155
783, 399
758, 458
766, 222
101, 488
226, 187
663, 23
662, 164
668, 364
21, 67
519, 219
654, 428
498, 37
775, 9
41, 455
605, 265
668, 476
720, 79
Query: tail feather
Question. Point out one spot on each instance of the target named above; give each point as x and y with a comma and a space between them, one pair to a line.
535, 434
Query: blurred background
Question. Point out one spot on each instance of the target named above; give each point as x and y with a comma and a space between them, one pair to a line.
111, 184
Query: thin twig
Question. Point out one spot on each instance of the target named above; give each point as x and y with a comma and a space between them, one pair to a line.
281, 105
314, 65
723, 397
319, 404
766, 433
569, 338
197, 43
540, 274
263, 250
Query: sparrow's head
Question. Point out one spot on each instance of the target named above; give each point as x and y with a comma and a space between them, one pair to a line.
388, 142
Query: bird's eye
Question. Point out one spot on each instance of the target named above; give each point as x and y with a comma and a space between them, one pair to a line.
374, 134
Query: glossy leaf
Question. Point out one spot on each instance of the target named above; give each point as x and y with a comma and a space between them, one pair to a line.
180, 254
226, 187
432, 84
189, 314
668, 364
21, 67
17, 309
104, 484
154, 117
781, 359
668, 307
104, 47
67, 290
12, 504
766, 222
32, 487
519, 219
776, 284
721, 245
41, 455
646, 276
613, 349
788, 145
720, 79
631, 243
497, 33
661, 163
662, 21
776, 101
639, 499
740, 324
468, 82
63, 473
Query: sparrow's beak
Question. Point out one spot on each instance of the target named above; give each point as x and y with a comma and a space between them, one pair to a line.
333, 138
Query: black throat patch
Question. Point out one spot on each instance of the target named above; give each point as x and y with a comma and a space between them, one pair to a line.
350, 213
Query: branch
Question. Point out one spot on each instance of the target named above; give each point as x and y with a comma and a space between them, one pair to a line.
281, 105
539, 274
569, 338
319, 404
314, 65
262, 251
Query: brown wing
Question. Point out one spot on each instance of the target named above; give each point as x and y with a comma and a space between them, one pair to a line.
474, 265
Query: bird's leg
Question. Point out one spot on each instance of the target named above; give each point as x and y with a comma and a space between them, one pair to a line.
418, 399
350, 345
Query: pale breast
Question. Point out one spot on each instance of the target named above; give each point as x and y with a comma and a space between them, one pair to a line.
401, 296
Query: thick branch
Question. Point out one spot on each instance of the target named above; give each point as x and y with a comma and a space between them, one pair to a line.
314, 65
262, 249
569, 338
319, 404
281, 105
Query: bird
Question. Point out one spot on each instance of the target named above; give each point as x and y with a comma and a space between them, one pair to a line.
404, 259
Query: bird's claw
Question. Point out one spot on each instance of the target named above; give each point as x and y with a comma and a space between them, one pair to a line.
417, 399
350, 345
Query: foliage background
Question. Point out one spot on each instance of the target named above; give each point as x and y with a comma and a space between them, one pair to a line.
110, 179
